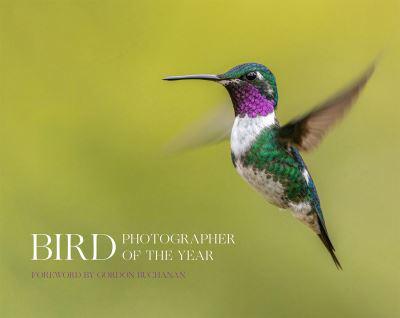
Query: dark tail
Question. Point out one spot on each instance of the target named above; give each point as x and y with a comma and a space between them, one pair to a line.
328, 244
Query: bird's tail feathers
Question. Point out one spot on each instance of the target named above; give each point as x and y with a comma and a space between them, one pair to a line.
324, 237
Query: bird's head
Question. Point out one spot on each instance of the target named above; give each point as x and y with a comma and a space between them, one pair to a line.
252, 88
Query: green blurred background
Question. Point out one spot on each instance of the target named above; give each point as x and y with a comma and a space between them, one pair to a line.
84, 117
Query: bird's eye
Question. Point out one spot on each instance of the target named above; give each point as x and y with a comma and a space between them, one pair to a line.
251, 76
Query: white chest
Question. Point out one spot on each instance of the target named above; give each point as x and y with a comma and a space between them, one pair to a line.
246, 129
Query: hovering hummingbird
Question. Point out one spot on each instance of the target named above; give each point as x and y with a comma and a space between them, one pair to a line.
266, 154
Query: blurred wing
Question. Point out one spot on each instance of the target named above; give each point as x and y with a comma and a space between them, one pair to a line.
212, 128
306, 132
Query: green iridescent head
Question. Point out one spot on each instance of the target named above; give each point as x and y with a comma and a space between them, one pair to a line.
257, 75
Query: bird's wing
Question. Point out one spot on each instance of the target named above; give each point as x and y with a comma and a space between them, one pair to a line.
306, 132
212, 128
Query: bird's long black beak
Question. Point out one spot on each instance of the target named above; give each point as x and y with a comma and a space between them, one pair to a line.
207, 77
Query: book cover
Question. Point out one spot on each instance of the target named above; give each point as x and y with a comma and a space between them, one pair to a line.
265, 184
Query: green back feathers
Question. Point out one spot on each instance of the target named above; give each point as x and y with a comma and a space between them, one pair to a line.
269, 155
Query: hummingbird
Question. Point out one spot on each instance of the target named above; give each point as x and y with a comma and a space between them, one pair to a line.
266, 154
